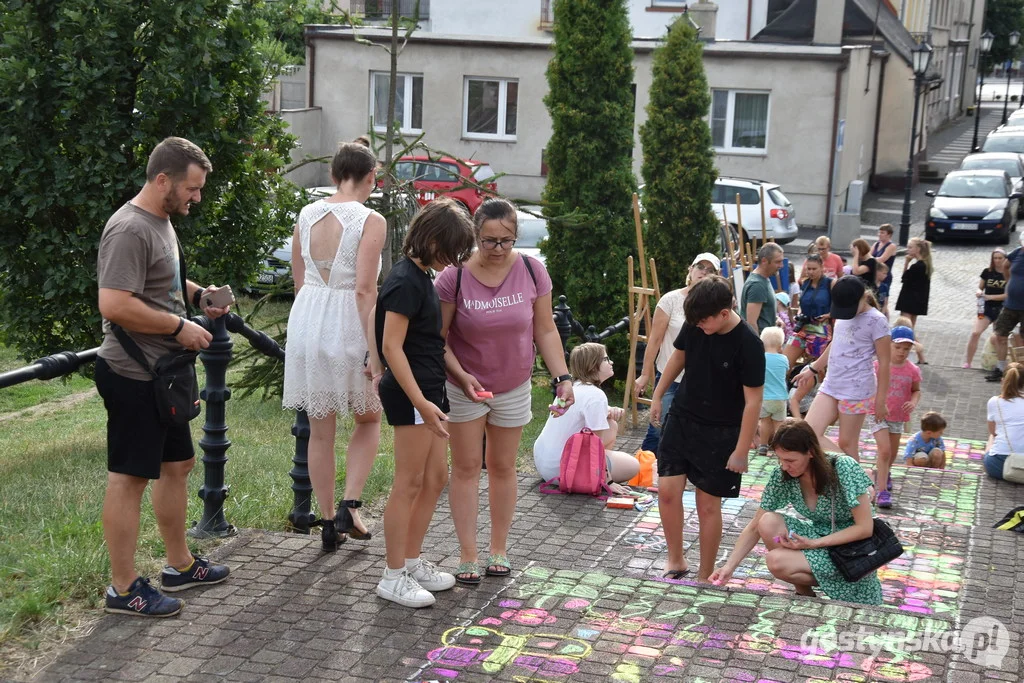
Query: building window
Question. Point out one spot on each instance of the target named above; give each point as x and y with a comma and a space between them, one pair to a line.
739, 121
669, 4
490, 108
408, 102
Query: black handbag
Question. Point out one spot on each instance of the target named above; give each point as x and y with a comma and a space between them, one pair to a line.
857, 559
174, 375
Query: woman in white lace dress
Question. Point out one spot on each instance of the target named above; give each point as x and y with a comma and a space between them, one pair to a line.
336, 261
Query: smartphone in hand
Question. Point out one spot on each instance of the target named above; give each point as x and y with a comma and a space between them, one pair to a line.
219, 298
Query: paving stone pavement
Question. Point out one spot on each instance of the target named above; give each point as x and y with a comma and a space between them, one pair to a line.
586, 601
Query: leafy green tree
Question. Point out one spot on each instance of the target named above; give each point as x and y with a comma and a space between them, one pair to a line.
678, 166
1002, 17
591, 103
287, 19
87, 89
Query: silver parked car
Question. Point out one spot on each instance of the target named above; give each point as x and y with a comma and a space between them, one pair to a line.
780, 216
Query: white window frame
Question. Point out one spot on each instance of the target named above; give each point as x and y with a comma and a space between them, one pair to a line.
407, 80
727, 148
502, 108
679, 4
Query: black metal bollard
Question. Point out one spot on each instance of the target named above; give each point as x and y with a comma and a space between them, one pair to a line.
300, 518
563, 323
214, 443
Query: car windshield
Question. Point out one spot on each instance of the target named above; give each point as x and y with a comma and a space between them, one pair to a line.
777, 197
1009, 165
1004, 143
982, 187
483, 173
531, 232
404, 170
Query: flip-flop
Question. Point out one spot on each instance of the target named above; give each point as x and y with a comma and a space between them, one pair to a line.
498, 561
471, 568
1013, 521
675, 574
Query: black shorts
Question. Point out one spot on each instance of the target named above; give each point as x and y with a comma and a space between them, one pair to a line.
137, 442
992, 309
699, 451
398, 409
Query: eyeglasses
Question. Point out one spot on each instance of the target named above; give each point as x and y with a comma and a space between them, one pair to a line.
606, 359
704, 268
494, 244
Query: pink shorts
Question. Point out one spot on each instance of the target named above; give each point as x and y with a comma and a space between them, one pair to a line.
865, 406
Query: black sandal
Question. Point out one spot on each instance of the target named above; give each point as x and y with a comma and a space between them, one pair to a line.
675, 574
346, 524
330, 537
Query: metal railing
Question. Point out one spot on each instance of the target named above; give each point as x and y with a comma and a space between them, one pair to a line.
547, 15
381, 9
215, 394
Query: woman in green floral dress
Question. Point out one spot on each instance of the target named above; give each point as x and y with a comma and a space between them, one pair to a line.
812, 483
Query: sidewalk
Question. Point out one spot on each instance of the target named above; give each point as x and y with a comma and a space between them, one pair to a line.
585, 601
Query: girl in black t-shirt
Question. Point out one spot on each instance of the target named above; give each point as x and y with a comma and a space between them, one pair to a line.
991, 294
864, 264
407, 333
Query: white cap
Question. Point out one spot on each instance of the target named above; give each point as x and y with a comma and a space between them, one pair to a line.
710, 258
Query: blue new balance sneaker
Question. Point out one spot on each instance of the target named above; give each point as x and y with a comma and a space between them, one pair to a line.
201, 573
142, 601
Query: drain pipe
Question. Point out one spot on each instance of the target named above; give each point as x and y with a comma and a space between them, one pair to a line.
835, 134
310, 66
878, 115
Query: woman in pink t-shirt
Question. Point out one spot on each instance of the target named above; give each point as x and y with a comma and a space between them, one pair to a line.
494, 309
831, 263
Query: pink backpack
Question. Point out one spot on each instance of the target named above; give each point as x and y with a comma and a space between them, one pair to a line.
583, 468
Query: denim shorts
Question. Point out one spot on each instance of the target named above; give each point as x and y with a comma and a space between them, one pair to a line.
875, 426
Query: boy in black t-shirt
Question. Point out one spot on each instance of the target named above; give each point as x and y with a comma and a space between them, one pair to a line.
407, 333
711, 424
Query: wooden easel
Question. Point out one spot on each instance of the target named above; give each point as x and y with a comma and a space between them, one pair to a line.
639, 311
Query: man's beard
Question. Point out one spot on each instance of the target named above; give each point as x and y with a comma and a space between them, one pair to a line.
172, 206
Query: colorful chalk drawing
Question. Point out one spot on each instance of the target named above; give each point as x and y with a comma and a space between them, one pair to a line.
926, 580
658, 628
966, 453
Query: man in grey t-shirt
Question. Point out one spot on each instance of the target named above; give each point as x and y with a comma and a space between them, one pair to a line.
757, 301
140, 290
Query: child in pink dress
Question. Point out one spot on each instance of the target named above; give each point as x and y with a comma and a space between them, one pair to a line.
903, 397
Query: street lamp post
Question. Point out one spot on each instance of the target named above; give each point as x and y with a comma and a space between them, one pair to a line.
921, 57
984, 46
1013, 39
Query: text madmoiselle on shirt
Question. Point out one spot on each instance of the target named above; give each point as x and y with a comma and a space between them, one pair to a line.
495, 303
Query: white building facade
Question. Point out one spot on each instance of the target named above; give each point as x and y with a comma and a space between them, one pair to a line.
812, 117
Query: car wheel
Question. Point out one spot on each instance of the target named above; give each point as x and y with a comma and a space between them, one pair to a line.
1005, 237
930, 236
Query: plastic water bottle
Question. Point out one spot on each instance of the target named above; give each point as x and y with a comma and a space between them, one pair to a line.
981, 307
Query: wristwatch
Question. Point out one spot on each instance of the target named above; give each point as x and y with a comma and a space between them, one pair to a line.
561, 378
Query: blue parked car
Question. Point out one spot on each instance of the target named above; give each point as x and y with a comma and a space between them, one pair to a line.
973, 204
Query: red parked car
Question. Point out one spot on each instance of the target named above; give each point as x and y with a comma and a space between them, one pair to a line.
447, 176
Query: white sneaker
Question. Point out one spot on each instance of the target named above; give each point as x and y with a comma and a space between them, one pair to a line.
430, 577
404, 590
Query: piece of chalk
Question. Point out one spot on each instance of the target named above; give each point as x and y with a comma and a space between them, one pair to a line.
484, 394
777, 539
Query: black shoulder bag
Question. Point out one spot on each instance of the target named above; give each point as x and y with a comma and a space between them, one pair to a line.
174, 374
857, 559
